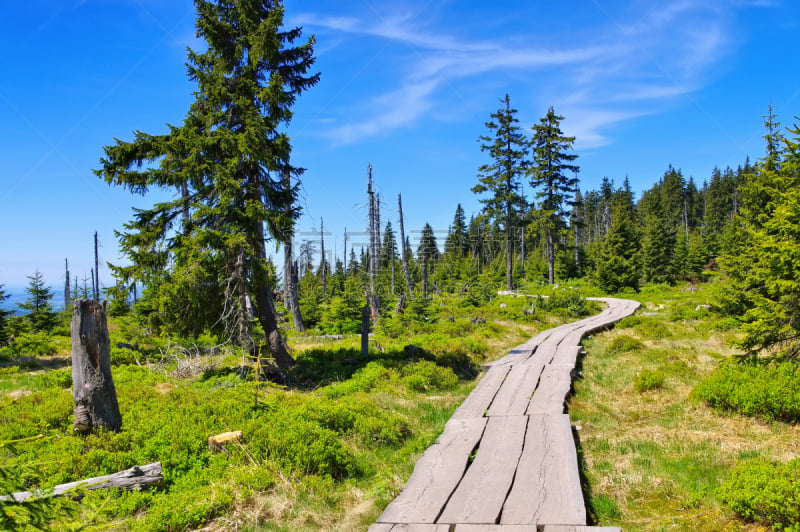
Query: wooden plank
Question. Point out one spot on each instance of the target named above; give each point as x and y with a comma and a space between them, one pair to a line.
410, 527
436, 474
551, 394
567, 355
381, 527
513, 396
580, 528
477, 403
480, 496
547, 487
495, 528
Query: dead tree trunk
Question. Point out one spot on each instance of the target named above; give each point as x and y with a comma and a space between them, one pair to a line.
404, 253
135, 478
373, 248
93, 388
290, 271
365, 321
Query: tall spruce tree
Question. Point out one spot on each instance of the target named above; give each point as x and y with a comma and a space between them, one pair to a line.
764, 260
617, 264
555, 176
206, 262
39, 306
456, 242
427, 253
500, 179
4, 314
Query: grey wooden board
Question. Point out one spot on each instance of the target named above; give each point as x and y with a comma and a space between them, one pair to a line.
567, 355
513, 396
436, 474
408, 527
579, 528
477, 403
480, 496
547, 487
495, 528
551, 394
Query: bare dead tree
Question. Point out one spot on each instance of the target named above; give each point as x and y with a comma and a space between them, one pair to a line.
404, 253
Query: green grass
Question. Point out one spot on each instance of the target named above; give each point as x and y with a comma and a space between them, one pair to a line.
655, 459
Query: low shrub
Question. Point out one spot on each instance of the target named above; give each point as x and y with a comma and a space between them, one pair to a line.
58, 378
648, 380
628, 321
651, 329
769, 392
624, 344
425, 376
764, 491
31, 344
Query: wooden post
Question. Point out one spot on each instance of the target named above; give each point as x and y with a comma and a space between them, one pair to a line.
365, 331
93, 388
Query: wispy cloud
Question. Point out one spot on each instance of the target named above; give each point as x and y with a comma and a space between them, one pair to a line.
629, 64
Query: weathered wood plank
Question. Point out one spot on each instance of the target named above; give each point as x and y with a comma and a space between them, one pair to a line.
567, 355
513, 396
495, 528
480, 496
579, 528
477, 403
547, 486
551, 394
408, 527
436, 474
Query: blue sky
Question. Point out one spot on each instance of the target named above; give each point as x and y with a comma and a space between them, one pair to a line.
406, 86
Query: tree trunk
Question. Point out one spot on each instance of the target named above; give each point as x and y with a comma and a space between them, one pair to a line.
266, 317
424, 276
551, 257
365, 321
137, 477
93, 388
404, 254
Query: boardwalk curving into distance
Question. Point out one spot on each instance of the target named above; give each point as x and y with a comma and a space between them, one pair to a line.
506, 461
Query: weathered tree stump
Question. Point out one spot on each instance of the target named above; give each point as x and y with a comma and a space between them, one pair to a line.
93, 388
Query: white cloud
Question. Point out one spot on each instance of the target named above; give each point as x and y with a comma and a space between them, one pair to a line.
622, 69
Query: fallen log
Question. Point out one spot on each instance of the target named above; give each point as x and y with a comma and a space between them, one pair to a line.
135, 478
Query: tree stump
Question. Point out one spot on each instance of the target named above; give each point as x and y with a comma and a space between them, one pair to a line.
93, 388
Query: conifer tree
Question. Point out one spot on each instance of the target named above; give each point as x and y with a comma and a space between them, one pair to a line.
231, 154
4, 314
427, 252
456, 241
764, 262
554, 174
658, 240
39, 306
500, 179
617, 264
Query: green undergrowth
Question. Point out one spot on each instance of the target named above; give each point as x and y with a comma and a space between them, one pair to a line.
326, 448
766, 391
655, 455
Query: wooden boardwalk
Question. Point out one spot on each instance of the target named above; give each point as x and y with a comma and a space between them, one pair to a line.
506, 461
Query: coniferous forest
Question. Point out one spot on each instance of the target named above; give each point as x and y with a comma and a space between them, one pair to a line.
331, 374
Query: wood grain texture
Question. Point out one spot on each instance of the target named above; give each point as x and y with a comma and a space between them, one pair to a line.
551, 394
436, 474
478, 402
480, 496
547, 487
